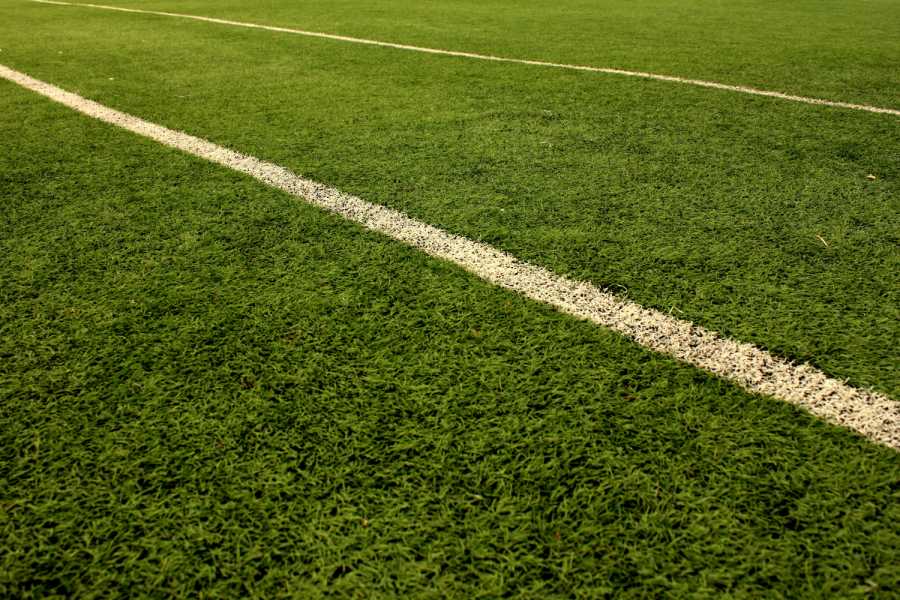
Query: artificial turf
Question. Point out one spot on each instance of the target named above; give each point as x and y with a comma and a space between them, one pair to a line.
210, 389
828, 48
753, 217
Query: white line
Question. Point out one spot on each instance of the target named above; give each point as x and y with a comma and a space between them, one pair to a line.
539, 63
871, 414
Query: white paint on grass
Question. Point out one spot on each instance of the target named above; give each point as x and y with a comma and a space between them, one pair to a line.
538, 63
873, 415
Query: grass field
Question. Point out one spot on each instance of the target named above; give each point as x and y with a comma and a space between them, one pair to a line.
209, 388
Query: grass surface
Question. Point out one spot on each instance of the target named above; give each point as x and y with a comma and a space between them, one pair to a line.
209, 389
709, 205
828, 48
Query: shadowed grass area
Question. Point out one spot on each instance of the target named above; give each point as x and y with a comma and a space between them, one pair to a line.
752, 217
209, 389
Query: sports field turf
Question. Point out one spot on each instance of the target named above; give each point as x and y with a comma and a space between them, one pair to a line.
209, 388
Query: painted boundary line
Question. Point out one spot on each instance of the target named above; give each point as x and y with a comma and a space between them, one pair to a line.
538, 63
873, 415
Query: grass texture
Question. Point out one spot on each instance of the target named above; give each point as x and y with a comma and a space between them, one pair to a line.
208, 389
826, 48
752, 217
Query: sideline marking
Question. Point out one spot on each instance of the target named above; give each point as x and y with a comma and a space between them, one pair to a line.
538, 63
869, 413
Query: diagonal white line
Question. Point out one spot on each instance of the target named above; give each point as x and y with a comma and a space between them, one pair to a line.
871, 414
538, 63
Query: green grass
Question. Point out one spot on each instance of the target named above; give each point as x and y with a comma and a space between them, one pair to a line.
210, 389
701, 203
828, 48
